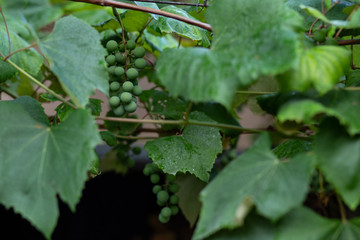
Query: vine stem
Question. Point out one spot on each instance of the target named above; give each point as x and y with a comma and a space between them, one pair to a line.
7, 29
110, 3
38, 82
342, 208
134, 137
173, 3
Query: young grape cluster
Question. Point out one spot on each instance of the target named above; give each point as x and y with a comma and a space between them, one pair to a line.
165, 189
124, 61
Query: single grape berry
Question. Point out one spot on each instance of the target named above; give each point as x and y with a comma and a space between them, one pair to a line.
119, 111
160, 203
130, 45
170, 178
131, 107
120, 58
137, 90
162, 196
140, 63
156, 189
166, 212
132, 73
319, 36
119, 71
114, 86
110, 59
174, 188
125, 97
111, 45
163, 219
127, 86
114, 101
154, 178
139, 52
174, 210
174, 199
111, 69
136, 150
122, 48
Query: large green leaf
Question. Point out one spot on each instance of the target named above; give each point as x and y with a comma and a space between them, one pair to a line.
34, 109
80, 71
320, 67
250, 40
274, 185
38, 162
291, 148
29, 60
194, 151
338, 156
303, 224
344, 105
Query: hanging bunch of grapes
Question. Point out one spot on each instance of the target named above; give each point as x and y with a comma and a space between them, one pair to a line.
125, 60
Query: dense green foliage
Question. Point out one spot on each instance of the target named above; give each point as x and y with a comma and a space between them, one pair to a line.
296, 60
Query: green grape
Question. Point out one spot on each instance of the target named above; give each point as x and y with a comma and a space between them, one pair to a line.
122, 48
137, 90
114, 86
166, 212
170, 178
131, 107
156, 189
136, 150
174, 199
174, 210
160, 203
127, 86
120, 58
132, 73
130, 162
162, 196
125, 97
139, 52
319, 35
111, 45
130, 45
119, 71
110, 59
173, 188
140, 63
146, 171
154, 178
119, 111
163, 219
114, 101
111, 69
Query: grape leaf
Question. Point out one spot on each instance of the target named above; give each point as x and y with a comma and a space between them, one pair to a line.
342, 104
29, 60
338, 153
250, 40
275, 186
320, 67
194, 151
291, 148
79, 70
303, 223
38, 162
149, 5
34, 109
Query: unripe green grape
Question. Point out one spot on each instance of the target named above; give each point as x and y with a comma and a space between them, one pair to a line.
111, 45
131, 107
130, 45
174, 188
111, 69
174, 199
146, 171
140, 63
154, 178
120, 58
162, 196
132, 73
119, 111
114, 101
136, 150
160, 203
174, 210
110, 59
114, 86
139, 52
156, 189
319, 36
122, 48
137, 90
163, 219
125, 97
170, 178
130, 162
166, 212
119, 71
127, 86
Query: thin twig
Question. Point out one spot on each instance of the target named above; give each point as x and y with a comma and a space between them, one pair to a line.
115, 4
7, 30
342, 208
173, 3
19, 50
143, 29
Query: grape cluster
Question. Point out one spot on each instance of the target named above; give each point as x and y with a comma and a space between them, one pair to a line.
124, 61
165, 189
